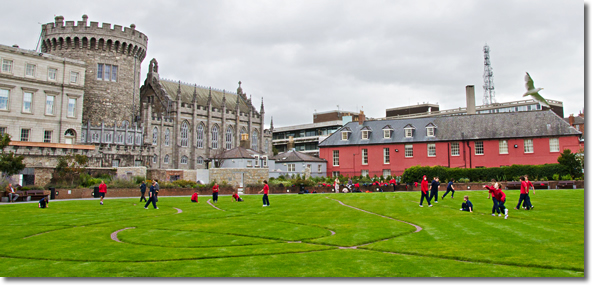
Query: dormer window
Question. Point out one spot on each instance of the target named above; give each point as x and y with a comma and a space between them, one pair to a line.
388, 131
366, 133
345, 134
409, 131
430, 130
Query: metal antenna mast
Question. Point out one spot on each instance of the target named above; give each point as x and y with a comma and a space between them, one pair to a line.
489, 95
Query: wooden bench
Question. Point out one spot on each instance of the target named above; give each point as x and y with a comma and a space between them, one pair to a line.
566, 185
28, 195
541, 184
513, 185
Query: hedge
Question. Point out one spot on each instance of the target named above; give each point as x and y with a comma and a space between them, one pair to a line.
504, 173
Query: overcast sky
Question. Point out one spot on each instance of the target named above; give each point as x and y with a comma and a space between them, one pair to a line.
302, 56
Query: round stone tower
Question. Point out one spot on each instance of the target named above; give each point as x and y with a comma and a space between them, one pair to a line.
113, 58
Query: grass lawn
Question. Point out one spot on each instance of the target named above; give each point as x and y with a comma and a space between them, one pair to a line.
298, 235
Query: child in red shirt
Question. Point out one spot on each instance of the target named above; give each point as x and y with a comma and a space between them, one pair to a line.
500, 197
236, 198
215, 192
265, 197
424, 192
194, 197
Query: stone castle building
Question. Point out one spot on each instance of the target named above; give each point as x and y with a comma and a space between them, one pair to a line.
113, 57
164, 125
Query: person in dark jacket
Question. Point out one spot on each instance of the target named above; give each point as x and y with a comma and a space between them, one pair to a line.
434, 189
152, 196
44, 203
450, 188
143, 189
467, 205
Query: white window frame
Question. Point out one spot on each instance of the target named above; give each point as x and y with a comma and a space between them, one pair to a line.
49, 108
344, 136
74, 76
320, 168
554, 145
52, 74
431, 150
291, 167
336, 173
429, 131
408, 150
30, 109
408, 132
200, 160
528, 146
453, 148
256, 161
155, 135
365, 172
184, 159
28, 135
46, 138
71, 112
254, 144
200, 135
503, 147
249, 163
7, 93
155, 158
115, 163
386, 172
7, 65
215, 137
479, 149
364, 156
30, 69
386, 152
365, 135
335, 158
387, 133
228, 138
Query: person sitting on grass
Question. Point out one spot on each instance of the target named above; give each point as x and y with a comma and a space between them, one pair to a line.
194, 198
236, 198
44, 203
467, 205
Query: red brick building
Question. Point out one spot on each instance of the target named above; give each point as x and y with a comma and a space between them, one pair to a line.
388, 147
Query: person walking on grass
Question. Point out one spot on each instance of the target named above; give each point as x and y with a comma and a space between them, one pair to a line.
152, 196
450, 188
529, 186
143, 189
424, 192
434, 189
524, 198
467, 205
102, 191
265, 197
156, 184
215, 192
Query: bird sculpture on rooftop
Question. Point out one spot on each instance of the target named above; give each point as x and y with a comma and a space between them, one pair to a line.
532, 91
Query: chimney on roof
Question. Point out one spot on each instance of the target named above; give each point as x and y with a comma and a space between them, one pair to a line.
470, 92
244, 141
571, 120
361, 118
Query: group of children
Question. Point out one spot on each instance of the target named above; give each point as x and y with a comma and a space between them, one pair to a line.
235, 197
495, 192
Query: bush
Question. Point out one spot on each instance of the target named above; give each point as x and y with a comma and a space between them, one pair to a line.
184, 184
567, 177
415, 173
556, 176
122, 183
138, 179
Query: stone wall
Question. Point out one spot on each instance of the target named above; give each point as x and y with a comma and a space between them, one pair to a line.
233, 176
131, 172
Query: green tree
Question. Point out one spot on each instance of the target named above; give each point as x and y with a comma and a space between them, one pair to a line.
10, 164
571, 162
70, 167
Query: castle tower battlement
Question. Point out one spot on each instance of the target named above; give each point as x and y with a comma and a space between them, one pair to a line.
113, 57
